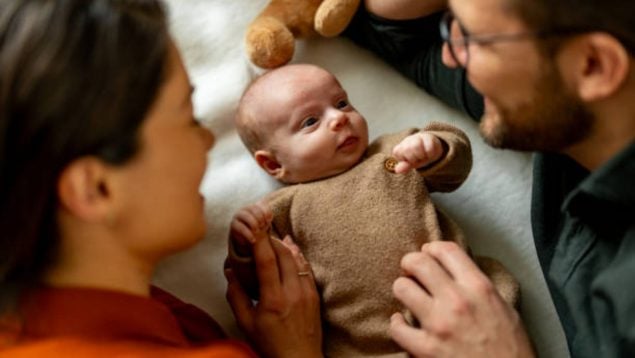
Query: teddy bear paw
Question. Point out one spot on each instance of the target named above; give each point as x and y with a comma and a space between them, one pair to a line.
269, 43
333, 16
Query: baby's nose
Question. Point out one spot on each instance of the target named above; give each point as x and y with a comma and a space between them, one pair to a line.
338, 120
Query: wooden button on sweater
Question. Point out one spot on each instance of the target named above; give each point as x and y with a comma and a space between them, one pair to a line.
390, 164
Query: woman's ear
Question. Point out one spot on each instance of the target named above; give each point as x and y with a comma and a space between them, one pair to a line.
267, 161
604, 69
84, 191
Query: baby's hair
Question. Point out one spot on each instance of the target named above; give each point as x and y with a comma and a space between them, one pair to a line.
249, 136
246, 121
248, 124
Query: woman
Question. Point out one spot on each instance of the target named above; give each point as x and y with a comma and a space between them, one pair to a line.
100, 165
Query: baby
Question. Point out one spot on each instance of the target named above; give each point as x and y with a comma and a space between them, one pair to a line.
354, 209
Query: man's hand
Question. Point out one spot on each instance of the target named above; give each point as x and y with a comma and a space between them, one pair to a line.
416, 151
460, 311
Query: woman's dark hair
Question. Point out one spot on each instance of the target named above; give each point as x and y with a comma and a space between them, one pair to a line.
575, 16
77, 78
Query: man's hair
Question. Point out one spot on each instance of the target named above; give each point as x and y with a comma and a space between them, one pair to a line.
77, 78
576, 16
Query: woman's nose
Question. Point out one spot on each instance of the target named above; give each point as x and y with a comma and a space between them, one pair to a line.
208, 138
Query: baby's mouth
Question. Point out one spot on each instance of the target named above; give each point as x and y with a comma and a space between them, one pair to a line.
348, 142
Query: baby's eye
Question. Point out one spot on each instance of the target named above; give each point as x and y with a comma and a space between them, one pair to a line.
309, 122
342, 104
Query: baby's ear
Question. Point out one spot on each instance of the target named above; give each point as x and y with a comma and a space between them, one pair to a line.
267, 161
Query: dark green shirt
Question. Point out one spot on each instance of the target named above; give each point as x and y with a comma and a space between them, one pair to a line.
584, 228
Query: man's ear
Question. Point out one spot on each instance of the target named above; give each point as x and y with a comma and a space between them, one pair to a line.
83, 190
603, 67
267, 161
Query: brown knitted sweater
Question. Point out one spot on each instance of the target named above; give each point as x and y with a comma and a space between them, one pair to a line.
355, 227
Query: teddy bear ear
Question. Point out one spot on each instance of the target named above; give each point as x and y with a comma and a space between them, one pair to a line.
333, 16
269, 43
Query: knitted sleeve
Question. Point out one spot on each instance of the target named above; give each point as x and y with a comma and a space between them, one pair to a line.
448, 173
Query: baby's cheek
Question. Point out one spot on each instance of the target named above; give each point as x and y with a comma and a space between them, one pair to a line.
311, 150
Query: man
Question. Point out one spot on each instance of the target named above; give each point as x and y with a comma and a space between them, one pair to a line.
558, 78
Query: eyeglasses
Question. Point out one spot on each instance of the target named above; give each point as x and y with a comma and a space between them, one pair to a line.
459, 45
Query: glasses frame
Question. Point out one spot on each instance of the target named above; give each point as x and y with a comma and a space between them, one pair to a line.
486, 39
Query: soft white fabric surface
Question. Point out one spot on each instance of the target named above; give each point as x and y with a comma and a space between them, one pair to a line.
492, 206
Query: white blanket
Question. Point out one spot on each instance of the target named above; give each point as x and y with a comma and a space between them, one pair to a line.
492, 206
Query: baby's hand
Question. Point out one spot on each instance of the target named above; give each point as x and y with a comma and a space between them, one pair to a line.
416, 151
249, 223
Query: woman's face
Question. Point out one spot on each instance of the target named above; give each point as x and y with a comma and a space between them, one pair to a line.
161, 208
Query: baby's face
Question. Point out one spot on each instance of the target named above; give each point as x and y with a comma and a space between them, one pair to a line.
315, 132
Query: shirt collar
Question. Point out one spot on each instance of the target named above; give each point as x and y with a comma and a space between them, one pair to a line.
610, 190
98, 314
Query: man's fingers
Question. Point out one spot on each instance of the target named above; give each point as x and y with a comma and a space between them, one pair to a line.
414, 340
412, 296
427, 270
454, 260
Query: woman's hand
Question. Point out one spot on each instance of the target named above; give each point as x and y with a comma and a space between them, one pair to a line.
285, 322
458, 308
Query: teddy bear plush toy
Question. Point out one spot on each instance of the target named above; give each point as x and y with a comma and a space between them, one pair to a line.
270, 40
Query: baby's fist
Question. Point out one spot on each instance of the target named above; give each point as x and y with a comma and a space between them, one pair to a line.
416, 151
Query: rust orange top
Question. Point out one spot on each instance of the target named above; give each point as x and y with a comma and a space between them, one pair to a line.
63, 322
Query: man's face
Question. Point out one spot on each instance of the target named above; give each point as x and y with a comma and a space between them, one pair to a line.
528, 105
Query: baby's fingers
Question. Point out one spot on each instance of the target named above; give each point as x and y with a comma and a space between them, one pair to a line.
265, 210
262, 214
240, 231
398, 152
247, 217
402, 167
432, 147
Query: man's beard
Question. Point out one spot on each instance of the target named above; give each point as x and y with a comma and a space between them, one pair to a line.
550, 122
